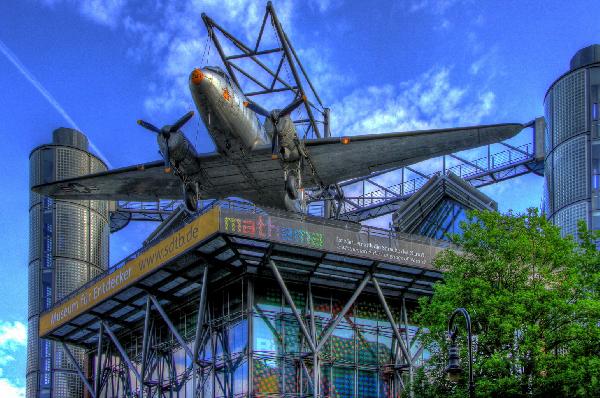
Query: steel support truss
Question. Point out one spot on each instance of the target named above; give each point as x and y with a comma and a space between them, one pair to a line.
153, 370
249, 67
364, 197
405, 361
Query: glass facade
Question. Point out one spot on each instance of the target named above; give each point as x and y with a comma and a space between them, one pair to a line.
444, 219
68, 246
595, 144
572, 141
256, 348
355, 359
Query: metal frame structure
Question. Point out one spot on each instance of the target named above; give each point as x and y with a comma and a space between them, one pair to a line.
372, 199
278, 82
168, 333
249, 66
124, 212
114, 367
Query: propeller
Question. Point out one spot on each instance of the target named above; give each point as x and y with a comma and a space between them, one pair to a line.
275, 115
166, 132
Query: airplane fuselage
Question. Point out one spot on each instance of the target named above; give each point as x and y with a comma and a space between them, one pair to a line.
234, 128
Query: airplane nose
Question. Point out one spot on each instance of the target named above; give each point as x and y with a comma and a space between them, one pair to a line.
197, 76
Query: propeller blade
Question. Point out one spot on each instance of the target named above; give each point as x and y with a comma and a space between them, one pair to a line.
167, 159
183, 120
148, 126
291, 107
258, 109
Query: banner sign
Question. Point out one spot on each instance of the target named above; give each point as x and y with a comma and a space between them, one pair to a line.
259, 226
328, 238
147, 262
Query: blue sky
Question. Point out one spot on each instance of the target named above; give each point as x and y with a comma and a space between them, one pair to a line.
381, 66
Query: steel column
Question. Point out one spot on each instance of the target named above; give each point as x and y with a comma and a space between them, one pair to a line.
78, 369
145, 343
199, 327
201, 312
97, 385
410, 369
250, 344
313, 330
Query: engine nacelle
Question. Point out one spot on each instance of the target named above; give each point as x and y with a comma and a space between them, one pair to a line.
288, 147
182, 153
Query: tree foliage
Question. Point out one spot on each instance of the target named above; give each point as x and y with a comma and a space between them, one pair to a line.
534, 301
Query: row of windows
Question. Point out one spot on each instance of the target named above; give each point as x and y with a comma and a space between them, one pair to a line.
572, 169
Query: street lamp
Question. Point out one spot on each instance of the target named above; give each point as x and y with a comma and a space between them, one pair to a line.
453, 369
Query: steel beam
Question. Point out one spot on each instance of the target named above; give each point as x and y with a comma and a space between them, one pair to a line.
290, 301
73, 361
201, 312
388, 313
287, 51
171, 327
468, 162
97, 384
122, 351
340, 316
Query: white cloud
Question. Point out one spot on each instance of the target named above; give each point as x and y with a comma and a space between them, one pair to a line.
176, 42
13, 340
103, 12
325, 5
12, 334
430, 101
427, 102
10, 390
488, 61
434, 6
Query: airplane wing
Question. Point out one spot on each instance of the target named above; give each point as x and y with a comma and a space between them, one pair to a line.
365, 154
219, 177
143, 182
259, 178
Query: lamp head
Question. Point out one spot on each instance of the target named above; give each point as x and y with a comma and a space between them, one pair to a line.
453, 369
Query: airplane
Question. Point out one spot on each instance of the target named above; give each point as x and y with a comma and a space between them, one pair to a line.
265, 163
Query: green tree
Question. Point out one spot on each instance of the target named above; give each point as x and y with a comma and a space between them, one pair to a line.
534, 300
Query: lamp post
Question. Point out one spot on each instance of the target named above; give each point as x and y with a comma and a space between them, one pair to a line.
453, 369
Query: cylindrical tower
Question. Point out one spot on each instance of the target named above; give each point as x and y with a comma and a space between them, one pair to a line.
68, 245
572, 164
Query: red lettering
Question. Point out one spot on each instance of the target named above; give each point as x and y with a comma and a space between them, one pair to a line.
248, 227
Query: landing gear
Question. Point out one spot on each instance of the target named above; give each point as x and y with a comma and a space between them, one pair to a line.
291, 186
293, 195
292, 205
190, 197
